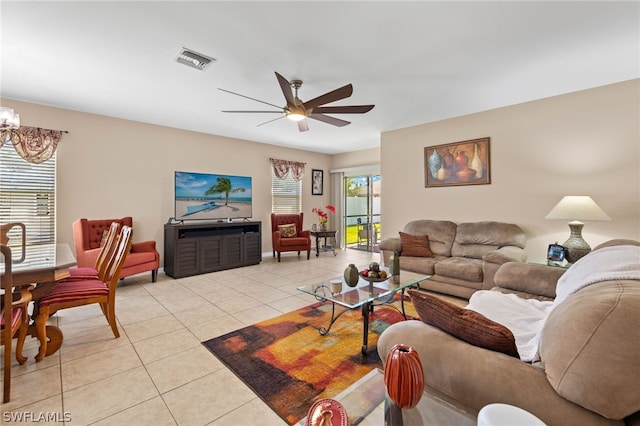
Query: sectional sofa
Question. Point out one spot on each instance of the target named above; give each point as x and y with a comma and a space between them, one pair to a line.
588, 366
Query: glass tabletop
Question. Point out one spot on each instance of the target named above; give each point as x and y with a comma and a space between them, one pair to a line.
42, 257
365, 291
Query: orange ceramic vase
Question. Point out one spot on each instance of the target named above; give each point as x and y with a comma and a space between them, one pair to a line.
404, 376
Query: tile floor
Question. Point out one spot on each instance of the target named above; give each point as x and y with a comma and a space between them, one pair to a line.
157, 372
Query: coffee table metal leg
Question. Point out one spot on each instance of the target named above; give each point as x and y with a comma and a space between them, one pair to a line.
366, 309
402, 304
325, 330
392, 413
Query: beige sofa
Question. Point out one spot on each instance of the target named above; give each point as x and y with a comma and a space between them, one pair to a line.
466, 256
589, 368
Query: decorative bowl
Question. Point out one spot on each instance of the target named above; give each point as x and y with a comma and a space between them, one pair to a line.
374, 280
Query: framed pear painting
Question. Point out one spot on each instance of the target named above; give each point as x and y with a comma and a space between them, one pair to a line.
458, 163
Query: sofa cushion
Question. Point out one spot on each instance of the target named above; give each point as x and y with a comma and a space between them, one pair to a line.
465, 324
139, 258
294, 241
288, 230
415, 245
420, 265
460, 267
590, 351
441, 234
477, 238
539, 280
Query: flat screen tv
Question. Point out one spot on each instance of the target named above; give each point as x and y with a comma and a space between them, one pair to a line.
205, 196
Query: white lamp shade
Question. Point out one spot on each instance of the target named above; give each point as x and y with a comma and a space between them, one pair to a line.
577, 207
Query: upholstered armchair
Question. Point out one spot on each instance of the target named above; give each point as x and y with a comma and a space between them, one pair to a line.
284, 238
88, 234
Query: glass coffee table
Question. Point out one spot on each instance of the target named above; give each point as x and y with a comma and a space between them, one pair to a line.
365, 295
367, 399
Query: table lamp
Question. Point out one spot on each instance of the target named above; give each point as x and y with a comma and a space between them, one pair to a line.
577, 208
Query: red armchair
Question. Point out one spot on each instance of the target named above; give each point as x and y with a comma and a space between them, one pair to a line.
87, 235
300, 242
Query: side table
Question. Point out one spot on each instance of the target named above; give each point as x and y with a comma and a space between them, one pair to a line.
325, 235
553, 264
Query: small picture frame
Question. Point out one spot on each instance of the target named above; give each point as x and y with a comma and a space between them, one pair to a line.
317, 182
556, 253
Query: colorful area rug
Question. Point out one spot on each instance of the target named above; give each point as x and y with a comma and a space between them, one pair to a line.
289, 365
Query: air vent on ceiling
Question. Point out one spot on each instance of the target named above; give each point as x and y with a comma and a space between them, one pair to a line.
193, 59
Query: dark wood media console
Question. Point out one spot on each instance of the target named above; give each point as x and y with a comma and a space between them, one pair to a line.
192, 249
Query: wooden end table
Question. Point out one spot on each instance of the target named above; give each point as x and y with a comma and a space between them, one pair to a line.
325, 235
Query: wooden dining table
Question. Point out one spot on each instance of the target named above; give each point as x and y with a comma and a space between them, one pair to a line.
43, 265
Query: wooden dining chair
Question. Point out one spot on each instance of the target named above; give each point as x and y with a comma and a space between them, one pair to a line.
4, 238
72, 293
15, 319
99, 271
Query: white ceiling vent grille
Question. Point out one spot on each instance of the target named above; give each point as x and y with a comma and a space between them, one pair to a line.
194, 59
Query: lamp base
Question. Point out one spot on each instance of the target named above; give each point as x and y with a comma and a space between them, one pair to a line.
576, 246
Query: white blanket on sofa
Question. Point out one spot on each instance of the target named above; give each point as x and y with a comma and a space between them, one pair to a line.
526, 317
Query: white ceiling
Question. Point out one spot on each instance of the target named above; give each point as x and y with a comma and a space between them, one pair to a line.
416, 61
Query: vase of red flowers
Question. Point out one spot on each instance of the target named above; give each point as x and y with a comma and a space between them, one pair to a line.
323, 215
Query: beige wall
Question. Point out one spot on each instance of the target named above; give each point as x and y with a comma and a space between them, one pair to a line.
365, 157
109, 168
583, 143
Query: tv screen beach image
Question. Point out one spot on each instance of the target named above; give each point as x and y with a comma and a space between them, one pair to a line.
211, 196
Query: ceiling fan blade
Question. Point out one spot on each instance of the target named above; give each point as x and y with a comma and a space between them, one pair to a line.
329, 120
256, 112
334, 95
266, 122
350, 109
303, 126
253, 99
285, 86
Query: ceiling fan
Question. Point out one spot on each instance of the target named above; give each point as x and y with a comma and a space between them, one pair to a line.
297, 110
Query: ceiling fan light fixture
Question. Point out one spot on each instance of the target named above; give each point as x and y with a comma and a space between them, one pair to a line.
295, 116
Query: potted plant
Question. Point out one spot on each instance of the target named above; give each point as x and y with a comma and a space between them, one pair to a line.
323, 215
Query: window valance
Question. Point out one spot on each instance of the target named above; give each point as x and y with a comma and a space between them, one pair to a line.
282, 167
34, 144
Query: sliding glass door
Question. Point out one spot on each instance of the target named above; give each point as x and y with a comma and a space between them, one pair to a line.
362, 212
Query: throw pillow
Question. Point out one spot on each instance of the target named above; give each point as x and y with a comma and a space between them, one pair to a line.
415, 245
288, 230
464, 324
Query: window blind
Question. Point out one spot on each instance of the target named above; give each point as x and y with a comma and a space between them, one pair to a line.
27, 195
286, 194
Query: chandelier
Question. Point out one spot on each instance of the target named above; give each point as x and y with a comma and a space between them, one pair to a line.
9, 120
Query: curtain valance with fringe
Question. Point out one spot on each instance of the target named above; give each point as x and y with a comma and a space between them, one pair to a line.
282, 167
34, 144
